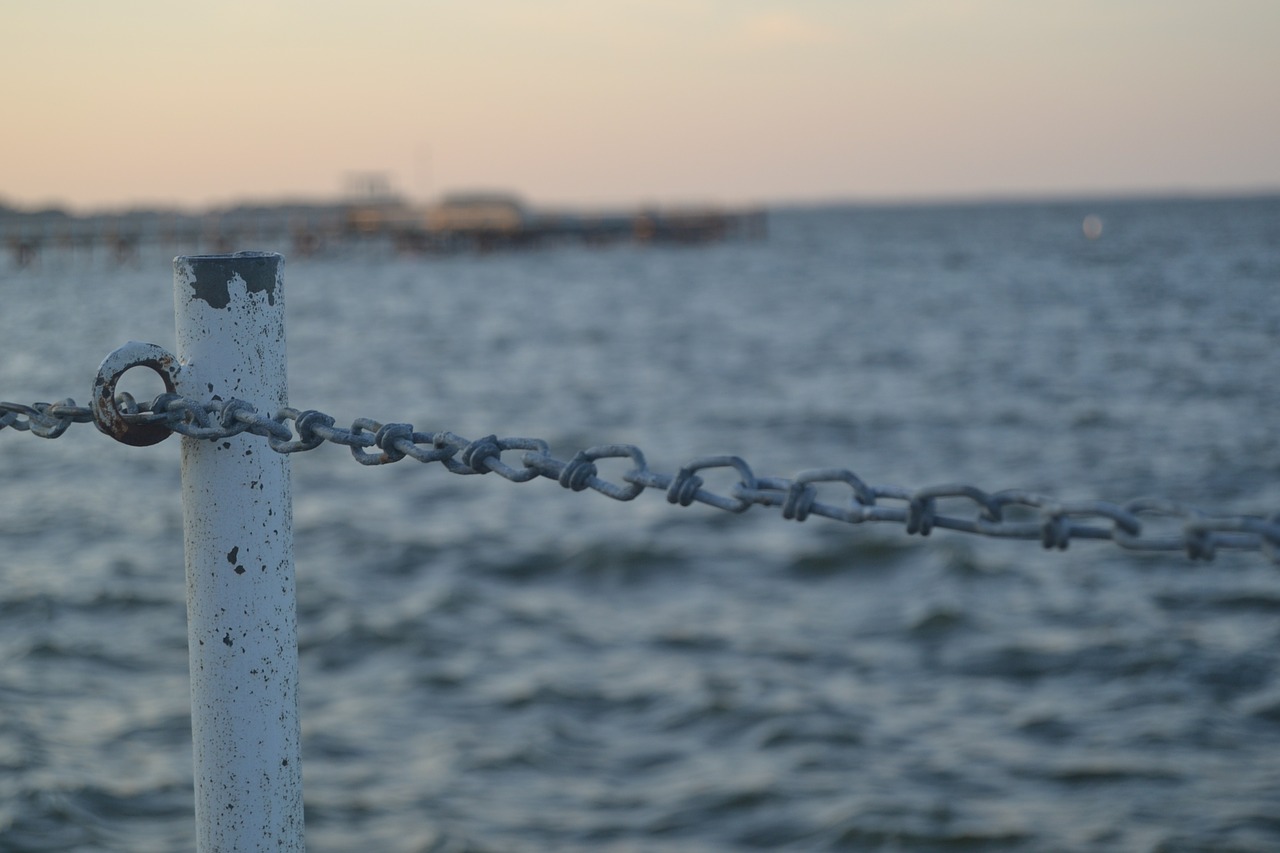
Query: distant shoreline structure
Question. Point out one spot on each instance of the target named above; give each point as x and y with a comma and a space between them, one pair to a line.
459, 222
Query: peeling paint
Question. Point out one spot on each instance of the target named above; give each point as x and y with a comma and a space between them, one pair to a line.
212, 275
244, 701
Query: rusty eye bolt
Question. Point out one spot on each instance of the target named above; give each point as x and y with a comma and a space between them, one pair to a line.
106, 413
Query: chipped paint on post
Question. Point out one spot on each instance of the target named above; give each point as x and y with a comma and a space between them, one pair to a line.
241, 604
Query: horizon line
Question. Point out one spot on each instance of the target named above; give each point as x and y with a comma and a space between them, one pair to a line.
781, 202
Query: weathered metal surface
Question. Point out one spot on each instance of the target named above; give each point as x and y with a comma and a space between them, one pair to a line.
1038, 517
106, 410
241, 602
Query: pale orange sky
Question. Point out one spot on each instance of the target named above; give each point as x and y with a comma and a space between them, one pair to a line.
620, 101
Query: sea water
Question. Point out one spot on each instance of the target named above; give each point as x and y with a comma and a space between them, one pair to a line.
488, 666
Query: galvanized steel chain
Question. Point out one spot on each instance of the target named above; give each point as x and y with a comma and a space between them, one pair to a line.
1052, 522
49, 420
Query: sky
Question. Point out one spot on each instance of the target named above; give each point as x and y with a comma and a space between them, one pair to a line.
609, 102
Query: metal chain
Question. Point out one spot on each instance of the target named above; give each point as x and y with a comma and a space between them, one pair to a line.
1054, 523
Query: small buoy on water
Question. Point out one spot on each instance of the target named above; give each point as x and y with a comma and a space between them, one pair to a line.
1092, 226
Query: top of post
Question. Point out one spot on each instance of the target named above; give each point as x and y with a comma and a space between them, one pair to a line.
209, 275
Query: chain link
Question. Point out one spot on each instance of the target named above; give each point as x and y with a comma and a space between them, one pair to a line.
49, 420
1010, 514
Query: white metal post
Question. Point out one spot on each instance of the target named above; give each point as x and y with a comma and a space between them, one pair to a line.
237, 521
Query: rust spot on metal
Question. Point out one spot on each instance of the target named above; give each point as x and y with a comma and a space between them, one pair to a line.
107, 415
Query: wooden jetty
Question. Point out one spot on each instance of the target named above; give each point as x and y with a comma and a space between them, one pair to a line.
489, 222
473, 222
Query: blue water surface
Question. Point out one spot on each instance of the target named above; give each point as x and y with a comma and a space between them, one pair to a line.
489, 666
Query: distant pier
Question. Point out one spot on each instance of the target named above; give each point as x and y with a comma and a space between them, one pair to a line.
461, 223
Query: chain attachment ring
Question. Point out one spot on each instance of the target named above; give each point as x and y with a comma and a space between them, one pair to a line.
106, 412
